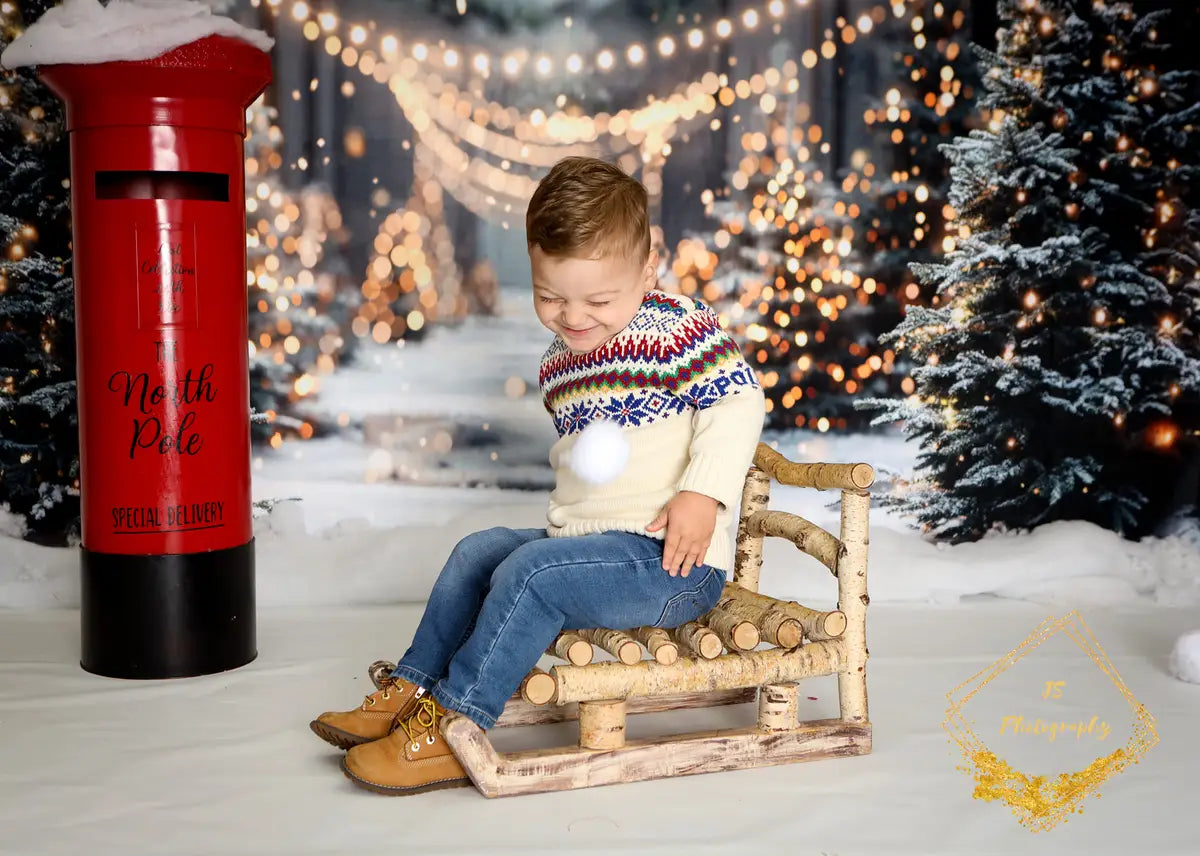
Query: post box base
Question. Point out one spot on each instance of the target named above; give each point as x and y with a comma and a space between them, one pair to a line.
169, 616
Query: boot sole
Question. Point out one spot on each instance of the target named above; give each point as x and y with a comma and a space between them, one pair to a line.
339, 738
444, 784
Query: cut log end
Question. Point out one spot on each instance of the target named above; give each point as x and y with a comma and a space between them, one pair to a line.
666, 654
746, 636
580, 653
835, 623
790, 634
538, 687
710, 646
629, 653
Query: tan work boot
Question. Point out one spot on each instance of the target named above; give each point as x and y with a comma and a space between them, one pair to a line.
413, 759
371, 720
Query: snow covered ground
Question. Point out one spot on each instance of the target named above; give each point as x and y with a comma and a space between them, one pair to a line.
450, 437
225, 764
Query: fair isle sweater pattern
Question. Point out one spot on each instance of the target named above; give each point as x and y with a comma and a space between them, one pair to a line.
672, 356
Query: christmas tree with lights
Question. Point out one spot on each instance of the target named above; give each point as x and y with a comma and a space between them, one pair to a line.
39, 433
932, 103
784, 271
296, 289
413, 281
1060, 374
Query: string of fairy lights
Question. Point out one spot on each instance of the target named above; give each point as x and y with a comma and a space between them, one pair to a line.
444, 56
533, 140
509, 148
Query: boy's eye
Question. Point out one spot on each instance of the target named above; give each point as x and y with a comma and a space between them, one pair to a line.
548, 299
599, 303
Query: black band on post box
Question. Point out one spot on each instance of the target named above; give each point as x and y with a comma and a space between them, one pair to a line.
167, 616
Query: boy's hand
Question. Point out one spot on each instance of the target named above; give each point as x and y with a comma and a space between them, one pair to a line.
690, 519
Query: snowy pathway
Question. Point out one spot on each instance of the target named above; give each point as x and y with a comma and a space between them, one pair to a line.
460, 407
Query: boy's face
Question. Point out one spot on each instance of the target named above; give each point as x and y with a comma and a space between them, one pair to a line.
588, 301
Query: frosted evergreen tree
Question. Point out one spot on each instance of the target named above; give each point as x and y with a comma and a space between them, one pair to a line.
39, 433
1058, 378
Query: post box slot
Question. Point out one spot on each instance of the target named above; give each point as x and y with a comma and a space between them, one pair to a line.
162, 184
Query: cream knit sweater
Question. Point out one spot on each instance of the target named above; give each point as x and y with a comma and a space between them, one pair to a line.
690, 407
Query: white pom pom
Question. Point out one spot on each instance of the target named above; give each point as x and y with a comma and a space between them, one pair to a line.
600, 452
1185, 658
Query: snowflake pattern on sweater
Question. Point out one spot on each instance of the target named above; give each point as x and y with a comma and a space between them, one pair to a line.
672, 356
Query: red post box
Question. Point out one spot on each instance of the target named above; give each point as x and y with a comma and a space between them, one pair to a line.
159, 220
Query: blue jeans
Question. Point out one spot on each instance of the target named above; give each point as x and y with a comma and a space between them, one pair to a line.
505, 594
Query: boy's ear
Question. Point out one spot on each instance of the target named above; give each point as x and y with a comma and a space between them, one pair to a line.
650, 271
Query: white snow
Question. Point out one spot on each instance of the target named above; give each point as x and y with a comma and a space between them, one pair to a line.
226, 763
1185, 658
86, 32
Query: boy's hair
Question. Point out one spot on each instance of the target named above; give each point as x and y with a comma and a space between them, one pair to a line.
587, 208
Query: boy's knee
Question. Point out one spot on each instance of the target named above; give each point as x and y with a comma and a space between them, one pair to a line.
483, 540
523, 567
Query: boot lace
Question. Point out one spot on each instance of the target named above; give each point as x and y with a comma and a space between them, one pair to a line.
425, 719
385, 692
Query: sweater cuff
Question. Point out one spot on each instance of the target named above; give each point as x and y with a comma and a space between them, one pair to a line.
712, 476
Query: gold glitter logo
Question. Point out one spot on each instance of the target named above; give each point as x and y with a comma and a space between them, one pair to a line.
1040, 802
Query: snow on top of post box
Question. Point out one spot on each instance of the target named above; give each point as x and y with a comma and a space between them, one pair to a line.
85, 32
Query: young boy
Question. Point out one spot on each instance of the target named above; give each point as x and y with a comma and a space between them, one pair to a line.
651, 546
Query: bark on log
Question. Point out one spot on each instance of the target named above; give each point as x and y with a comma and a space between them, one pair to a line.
852, 601
537, 687
658, 643
520, 712
699, 639
602, 724
817, 625
737, 633
747, 561
779, 707
819, 476
806, 535
775, 627
616, 642
601, 681
573, 648
543, 770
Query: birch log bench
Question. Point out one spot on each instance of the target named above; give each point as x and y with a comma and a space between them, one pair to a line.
750, 646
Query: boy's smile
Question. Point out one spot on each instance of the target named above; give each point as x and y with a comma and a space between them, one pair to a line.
587, 301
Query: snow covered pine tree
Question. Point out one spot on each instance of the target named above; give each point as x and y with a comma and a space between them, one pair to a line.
1059, 378
39, 435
